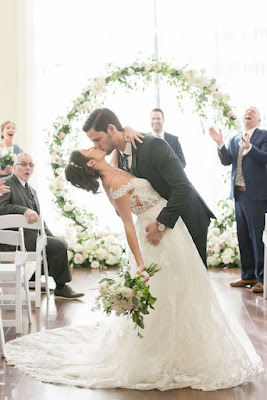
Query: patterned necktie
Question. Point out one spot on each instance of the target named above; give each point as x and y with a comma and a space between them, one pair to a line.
125, 166
30, 196
239, 178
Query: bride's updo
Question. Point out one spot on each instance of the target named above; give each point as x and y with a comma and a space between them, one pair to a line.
79, 174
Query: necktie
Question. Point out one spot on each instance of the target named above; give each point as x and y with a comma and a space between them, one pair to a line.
125, 166
239, 178
29, 192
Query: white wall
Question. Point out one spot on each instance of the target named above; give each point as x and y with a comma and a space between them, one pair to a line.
9, 107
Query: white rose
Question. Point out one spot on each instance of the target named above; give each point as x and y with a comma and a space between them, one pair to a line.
226, 259
61, 135
95, 264
78, 247
65, 121
56, 159
130, 71
78, 258
67, 207
70, 254
79, 218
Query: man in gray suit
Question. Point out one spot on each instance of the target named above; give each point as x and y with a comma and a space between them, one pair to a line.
157, 121
22, 199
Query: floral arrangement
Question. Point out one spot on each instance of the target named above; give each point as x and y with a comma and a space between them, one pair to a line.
127, 296
7, 157
222, 244
94, 250
203, 90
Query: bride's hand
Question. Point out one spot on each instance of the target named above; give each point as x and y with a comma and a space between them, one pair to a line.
130, 134
141, 271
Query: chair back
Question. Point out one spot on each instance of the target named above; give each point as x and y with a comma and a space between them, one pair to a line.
13, 238
20, 221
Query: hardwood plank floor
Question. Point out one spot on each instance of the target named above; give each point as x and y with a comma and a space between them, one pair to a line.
249, 308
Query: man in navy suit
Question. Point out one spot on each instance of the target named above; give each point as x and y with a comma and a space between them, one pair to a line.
157, 121
248, 155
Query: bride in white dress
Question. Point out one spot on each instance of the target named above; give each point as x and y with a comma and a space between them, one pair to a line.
188, 341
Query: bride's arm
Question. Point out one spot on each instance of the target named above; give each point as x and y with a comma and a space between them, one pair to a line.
122, 204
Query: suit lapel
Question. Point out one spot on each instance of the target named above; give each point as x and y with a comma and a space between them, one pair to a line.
133, 166
22, 191
255, 136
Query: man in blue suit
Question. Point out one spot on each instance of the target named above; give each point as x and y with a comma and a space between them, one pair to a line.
157, 121
248, 155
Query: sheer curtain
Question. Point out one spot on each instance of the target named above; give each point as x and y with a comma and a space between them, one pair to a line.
74, 40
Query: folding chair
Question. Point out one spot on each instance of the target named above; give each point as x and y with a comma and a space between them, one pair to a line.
14, 274
264, 239
38, 256
2, 337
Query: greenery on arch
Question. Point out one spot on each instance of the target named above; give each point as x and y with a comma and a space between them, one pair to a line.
204, 92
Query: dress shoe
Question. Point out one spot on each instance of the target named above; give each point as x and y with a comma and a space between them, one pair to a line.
243, 282
67, 293
258, 288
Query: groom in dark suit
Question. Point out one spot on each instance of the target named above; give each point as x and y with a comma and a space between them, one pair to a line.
157, 121
248, 155
154, 160
22, 199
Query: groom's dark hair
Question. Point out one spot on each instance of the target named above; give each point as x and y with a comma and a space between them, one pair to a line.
100, 118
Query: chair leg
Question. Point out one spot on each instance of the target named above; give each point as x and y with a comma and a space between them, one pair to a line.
27, 293
38, 283
46, 275
2, 337
18, 306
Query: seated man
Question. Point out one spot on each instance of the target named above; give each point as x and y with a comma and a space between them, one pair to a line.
22, 199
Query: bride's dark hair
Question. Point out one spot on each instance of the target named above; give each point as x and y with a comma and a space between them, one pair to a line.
80, 175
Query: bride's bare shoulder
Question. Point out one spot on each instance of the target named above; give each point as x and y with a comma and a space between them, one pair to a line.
121, 185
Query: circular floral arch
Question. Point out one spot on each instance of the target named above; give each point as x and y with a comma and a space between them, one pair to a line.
204, 92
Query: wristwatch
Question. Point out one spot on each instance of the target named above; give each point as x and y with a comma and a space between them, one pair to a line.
161, 227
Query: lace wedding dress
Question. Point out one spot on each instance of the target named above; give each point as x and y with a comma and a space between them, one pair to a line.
188, 341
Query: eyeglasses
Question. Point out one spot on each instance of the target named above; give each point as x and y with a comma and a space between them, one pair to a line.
25, 164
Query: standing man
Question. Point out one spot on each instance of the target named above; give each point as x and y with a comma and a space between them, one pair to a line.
157, 121
248, 155
155, 161
22, 199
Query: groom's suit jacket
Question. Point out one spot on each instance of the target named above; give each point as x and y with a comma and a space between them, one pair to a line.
156, 161
254, 164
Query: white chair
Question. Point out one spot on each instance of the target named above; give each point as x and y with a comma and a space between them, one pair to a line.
14, 274
38, 256
2, 337
264, 239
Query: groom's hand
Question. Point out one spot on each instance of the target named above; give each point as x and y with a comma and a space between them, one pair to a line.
153, 235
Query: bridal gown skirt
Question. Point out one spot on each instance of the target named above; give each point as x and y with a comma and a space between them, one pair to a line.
188, 341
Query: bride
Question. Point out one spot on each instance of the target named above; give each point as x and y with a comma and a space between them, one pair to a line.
188, 340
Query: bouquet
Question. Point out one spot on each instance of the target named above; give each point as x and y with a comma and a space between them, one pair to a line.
7, 157
127, 296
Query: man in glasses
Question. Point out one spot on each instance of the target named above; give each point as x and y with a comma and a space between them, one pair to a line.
22, 199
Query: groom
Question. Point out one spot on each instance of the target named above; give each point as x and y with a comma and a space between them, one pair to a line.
155, 161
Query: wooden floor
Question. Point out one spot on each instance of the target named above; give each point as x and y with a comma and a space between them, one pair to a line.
249, 308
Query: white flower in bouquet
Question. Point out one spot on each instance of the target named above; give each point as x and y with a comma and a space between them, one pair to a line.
226, 259
8, 157
127, 296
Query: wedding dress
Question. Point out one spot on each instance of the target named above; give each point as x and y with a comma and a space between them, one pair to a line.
188, 341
